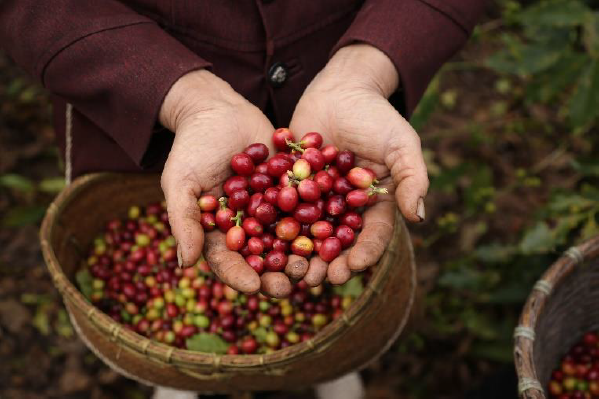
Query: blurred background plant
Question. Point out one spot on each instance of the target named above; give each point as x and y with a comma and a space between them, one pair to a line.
509, 128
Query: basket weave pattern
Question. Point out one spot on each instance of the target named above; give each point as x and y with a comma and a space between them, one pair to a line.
563, 305
349, 342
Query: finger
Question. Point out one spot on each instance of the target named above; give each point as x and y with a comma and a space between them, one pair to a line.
379, 169
378, 223
275, 284
184, 216
261, 132
305, 120
338, 272
406, 163
229, 265
317, 271
297, 266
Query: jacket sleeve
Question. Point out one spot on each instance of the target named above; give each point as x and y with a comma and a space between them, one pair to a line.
417, 35
115, 66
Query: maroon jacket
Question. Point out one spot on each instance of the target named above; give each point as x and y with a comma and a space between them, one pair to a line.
114, 61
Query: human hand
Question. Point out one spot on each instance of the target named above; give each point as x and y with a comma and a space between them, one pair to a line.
211, 123
347, 103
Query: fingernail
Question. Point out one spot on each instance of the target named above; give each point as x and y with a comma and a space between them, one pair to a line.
179, 257
420, 212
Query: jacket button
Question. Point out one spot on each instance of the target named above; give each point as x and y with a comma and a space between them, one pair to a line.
277, 74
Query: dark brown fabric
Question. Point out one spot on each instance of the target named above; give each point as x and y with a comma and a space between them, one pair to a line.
116, 60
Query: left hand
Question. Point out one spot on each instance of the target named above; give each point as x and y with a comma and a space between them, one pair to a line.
347, 103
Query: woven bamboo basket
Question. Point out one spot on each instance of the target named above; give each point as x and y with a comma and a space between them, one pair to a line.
563, 305
366, 329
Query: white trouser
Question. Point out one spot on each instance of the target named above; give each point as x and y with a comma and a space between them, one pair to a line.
347, 387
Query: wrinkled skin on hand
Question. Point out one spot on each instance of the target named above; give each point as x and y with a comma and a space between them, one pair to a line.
211, 124
347, 103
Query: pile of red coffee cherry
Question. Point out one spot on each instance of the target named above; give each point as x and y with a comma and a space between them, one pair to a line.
578, 374
306, 200
131, 274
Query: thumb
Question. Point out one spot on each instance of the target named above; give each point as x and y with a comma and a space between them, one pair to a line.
408, 170
184, 216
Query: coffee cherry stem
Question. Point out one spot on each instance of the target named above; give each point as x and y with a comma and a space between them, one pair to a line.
293, 181
237, 218
223, 202
295, 146
376, 190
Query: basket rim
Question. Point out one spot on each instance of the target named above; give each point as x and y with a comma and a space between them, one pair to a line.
525, 332
207, 362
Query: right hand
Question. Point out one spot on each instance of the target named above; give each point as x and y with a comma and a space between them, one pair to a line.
211, 123
347, 103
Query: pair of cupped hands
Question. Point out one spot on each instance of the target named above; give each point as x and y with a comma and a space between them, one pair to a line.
346, 102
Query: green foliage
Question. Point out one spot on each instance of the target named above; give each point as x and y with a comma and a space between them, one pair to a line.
584, 103
52, 185
208, 343
24, 185
548, 61
587, 167
27, 189
84, 282
23, 215
555, 13
426, 106
353, 287
260, 334
17, 182
557, 50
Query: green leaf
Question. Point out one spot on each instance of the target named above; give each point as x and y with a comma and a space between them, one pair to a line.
590, 36
590, 228
41, 321
17, 182
591, 192
84, 281
29, 94
494, 253
52, 185
479, 324
559, 36
559, 78
353, 287
565, 225
23, 215
538, 57
538, 239
584, 104
588, 167
460, 279
506, 60
447, 179
525, 59
432, 167
556, 13
15, 87
260, 334
207, 343
570, 203
63, 325
426, 106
